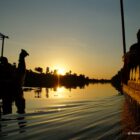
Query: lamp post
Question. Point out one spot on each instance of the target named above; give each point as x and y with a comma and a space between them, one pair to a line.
123, 27
2, 37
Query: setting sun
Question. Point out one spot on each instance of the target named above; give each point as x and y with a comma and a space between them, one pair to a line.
61, 71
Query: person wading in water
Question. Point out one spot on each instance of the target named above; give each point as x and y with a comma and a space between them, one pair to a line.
12, 81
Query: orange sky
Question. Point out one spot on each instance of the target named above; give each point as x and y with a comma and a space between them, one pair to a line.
83, 36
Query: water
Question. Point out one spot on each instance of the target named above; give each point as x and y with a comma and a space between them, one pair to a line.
60, 114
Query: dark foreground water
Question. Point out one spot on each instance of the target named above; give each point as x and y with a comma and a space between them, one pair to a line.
93, 113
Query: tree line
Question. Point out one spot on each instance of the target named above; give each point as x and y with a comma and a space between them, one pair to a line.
38, 78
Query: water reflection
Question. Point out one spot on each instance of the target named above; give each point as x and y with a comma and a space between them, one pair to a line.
22, 124
6, 108
16, 97
6, 122
38, 92
12, 95
48, 92
130, 119
48, 109
90, 92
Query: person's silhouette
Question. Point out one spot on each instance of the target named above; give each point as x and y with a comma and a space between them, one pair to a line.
6, 81
20, 76
131, 58
11, 82
134, 53
136, 47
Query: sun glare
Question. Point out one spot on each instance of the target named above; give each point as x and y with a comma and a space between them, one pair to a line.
61, 71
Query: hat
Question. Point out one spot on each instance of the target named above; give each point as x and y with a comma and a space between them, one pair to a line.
24, 52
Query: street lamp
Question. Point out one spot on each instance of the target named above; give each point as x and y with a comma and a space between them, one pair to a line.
2, 37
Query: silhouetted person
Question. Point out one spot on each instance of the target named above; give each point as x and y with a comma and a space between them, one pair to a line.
132, 58
20, 77
11, 82
7, 72
136, 47
6, 81
134, 53
21, 70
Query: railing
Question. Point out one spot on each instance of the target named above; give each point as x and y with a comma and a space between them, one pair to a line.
134, 78
135, 74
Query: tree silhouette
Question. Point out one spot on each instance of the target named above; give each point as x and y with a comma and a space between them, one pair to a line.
47, 70
55, 72
39, 69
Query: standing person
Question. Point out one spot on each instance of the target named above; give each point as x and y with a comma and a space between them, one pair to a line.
131, 58
11, 82
136, 46
7, 72
20, 77
134, 52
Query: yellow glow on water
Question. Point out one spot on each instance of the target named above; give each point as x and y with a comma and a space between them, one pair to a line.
88, 93
53, 96
60, 92
60, 89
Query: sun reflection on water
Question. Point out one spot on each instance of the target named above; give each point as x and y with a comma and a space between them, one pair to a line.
90, 92
60, 92
44, 97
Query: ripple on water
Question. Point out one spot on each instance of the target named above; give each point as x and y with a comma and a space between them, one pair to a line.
97, 119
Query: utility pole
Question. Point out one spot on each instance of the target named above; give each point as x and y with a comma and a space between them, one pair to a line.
2, 37
123, 27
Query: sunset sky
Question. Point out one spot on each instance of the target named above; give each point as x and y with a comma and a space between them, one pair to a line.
83, 36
